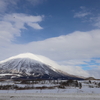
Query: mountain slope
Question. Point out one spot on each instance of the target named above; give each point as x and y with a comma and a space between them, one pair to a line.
32, 66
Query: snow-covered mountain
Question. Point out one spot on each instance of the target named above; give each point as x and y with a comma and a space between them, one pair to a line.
32, 66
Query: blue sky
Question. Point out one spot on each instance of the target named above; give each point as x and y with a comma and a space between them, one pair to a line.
58, 18
66, 31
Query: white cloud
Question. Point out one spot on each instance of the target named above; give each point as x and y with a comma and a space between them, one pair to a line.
96, 21
98, 61
77, 45
11, 25
4, 4
95, 73
73, 62
36, 2
75, 70
73, 46
87, 16
11, 5
35, 25
81, 14
83, 7
67, 50
20, 17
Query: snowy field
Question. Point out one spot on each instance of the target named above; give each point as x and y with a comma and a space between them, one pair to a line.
48, 96
89, 91
68, 90
51, 94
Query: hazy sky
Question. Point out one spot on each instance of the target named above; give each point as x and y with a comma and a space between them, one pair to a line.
66, 31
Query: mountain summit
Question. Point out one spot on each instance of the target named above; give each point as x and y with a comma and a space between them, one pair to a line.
32, 66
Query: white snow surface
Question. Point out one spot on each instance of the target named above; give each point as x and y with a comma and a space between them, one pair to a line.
38, 58
69, 93
40, 95
25, 61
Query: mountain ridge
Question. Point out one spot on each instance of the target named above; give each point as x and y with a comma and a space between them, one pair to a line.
31, 65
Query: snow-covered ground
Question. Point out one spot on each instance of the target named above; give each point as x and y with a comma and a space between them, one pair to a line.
89, 91
67, 90
48, 96
51, 94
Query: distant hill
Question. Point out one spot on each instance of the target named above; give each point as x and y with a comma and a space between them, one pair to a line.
90, 78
